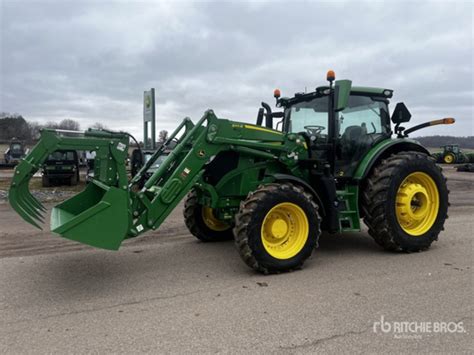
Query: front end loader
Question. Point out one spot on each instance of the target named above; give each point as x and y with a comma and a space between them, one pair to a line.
331, 163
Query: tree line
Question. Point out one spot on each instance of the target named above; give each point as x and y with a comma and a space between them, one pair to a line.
439, 141
16, 126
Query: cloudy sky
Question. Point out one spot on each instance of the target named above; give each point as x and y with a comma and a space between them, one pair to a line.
91, 61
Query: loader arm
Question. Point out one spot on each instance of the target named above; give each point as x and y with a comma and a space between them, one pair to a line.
184, 166
110, 208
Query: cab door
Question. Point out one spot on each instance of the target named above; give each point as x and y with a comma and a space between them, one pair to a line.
364, 122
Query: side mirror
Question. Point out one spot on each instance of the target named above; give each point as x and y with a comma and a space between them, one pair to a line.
342, 91
400, 114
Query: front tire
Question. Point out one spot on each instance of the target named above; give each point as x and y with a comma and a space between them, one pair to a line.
277, 228
405, 202
202, 223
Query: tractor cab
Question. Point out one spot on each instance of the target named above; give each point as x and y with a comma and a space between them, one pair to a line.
61, 166
454, 148
15, 152
342, 136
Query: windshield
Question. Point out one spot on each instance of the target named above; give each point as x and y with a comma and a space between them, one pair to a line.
59, 155
362, 111
307, 114
16, 146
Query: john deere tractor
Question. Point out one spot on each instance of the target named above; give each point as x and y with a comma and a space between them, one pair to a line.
328, 162
451, 154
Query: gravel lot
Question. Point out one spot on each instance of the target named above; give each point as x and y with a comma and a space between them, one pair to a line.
167, 292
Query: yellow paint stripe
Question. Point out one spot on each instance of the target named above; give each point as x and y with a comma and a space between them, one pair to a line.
262, 129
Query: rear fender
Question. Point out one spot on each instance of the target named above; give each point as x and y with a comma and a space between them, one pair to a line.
383, 150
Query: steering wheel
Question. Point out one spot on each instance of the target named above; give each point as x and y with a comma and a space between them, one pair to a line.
314, 130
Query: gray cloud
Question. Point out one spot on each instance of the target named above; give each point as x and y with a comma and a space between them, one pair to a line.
91, 61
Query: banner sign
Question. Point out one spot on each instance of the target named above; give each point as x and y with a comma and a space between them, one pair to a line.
149, 105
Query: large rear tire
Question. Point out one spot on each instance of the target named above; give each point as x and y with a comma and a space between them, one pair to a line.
405, 202
277, 228
202, 223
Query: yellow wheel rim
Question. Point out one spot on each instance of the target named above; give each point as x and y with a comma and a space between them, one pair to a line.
448, 158
284, 230
417, 203
211, 221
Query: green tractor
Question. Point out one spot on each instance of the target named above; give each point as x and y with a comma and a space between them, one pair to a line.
452, 154
330, 163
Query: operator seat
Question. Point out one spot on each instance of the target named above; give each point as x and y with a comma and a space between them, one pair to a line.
351, 140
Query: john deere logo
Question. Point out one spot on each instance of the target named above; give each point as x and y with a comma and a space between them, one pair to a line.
147, 101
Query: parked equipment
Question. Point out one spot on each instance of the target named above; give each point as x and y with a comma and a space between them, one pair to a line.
469, 168
60, 167
141, 157
451, 154
332, 163
15, 152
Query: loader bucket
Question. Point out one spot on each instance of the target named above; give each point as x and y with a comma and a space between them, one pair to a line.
20, 197
98, 216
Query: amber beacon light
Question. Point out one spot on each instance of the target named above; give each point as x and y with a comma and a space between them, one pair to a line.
330, 76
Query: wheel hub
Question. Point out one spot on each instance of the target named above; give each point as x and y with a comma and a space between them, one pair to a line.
211, 221
279, 228
449, 158
412, 202
417, 203
285, 230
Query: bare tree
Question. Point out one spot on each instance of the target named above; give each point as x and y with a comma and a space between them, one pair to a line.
98, 125
51, 125
35, 129
69, 125
162, 136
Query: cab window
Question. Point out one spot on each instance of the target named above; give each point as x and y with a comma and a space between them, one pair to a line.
363, 114
61, 155
309, 113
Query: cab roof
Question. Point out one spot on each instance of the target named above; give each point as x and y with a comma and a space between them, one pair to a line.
388, 93
320, 91
364, 90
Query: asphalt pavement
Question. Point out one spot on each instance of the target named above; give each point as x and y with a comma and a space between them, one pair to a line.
169, 293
